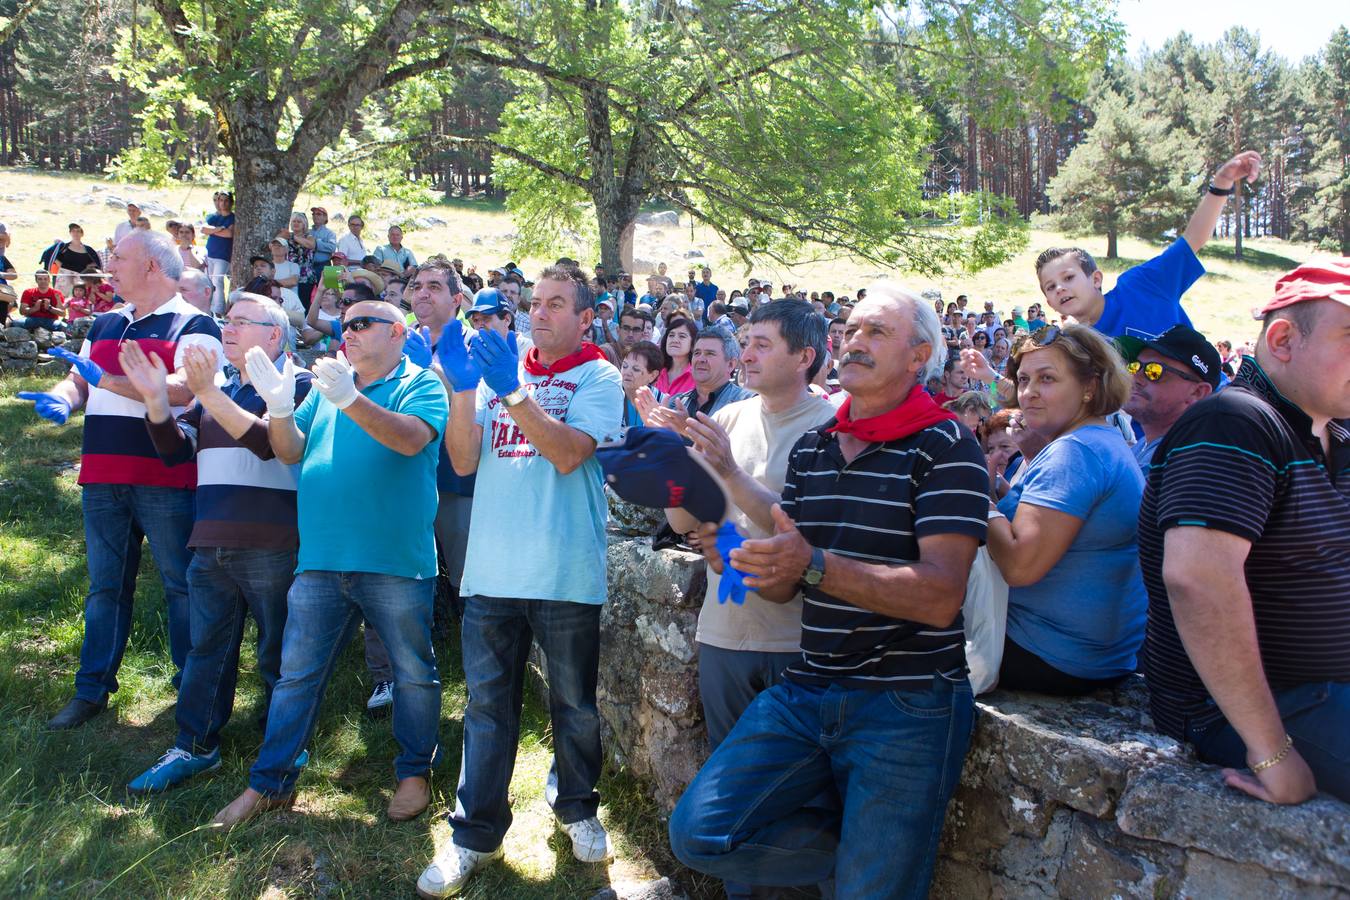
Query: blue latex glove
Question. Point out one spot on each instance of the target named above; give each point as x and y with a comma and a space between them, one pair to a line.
499, 359
49, 406
417, 346
89, 370
459, 368
732, 585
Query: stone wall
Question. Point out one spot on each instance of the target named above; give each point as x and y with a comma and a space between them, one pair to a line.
1058, 798
25, 352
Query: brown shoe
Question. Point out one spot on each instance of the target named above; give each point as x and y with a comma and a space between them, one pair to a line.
249, 804
411, 798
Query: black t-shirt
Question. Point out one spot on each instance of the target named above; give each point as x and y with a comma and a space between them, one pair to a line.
1245, 461
77, 261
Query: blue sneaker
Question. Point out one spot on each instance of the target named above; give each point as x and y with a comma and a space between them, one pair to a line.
174, 768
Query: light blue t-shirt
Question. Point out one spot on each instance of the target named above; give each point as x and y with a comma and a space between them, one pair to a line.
536, 534
362, 506
1086, 616
1146, 300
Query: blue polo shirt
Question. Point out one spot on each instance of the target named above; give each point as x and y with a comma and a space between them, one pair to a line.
219, 247
363, 507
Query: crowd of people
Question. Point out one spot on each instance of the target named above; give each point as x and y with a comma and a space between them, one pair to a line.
1133, 499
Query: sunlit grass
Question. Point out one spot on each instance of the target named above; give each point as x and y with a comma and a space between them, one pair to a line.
69, 829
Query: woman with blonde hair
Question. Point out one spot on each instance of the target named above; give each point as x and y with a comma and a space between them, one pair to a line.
1067, 546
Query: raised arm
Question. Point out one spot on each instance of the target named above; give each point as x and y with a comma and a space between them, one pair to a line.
1246, 165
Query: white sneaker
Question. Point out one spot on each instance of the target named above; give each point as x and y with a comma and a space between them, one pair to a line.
590, 841
451, 868
380, 698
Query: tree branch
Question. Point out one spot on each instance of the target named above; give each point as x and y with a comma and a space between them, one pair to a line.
15, 21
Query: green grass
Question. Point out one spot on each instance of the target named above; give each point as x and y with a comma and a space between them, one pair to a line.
69, 829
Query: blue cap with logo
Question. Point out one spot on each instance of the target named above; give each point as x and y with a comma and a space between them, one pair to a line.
490, 301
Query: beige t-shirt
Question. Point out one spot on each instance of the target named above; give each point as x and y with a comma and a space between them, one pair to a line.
760, 444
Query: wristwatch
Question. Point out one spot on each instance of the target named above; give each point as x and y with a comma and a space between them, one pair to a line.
514, 398
815, 570
1221, 192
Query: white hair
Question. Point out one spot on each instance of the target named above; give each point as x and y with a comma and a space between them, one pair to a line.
196, 279
272, 310
161, 250
927, 328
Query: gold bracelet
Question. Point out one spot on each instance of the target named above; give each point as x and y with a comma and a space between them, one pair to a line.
1277, 758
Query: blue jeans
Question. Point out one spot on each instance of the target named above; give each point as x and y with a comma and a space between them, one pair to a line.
116, 518
225, 585
324, 609
1316, 715
894, 756
35, 322
497, 633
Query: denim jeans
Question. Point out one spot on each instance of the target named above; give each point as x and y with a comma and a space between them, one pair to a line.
116, 518
324, 609
895, 757
1316, 715
34, 322
497, 633
225, 584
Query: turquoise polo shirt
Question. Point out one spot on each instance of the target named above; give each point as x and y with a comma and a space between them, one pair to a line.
363, 507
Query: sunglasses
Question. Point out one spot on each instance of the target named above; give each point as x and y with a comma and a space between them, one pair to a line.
361, 323
1046, 336
1154, 371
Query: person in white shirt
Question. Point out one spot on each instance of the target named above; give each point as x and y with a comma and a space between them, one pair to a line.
287, 273
350, 245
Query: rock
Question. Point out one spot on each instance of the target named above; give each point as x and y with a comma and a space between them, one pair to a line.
97, 189
115, 201
931, 294
476, 240
42, 337
14, 334
693, 254
667, 217
1189, 806
19, 366
24, 350
430, 221
80, 327
660, 889
155, 208
630, 519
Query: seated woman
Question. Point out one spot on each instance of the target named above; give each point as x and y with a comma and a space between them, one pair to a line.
641, 365
1067, 546
677, 350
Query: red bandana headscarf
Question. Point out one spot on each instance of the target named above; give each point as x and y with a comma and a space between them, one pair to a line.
916, 413
587, 353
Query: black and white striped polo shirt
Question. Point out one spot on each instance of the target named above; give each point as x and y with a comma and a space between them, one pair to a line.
875, 509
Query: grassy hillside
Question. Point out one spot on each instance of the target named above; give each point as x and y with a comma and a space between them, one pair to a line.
37, 207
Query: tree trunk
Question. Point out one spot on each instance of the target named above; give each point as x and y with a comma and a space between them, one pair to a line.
266, 184
1111, 251
1237, 221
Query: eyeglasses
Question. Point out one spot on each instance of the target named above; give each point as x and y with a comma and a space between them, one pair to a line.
1154, 371
361, 323
240, 323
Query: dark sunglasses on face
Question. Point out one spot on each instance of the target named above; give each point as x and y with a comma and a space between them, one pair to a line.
1154, 371
361, 323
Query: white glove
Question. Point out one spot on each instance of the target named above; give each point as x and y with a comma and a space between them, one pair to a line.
276, 388
336, 380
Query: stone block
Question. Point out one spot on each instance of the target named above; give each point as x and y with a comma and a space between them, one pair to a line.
24, 350
1190, 807
15, 335
1101, 862
1208, 876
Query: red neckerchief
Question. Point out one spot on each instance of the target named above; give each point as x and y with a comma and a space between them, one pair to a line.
916, 413
587, 353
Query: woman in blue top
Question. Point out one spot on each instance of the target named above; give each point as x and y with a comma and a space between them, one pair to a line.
1067, 547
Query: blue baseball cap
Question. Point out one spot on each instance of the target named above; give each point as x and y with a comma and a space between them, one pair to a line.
652, 467
490, 301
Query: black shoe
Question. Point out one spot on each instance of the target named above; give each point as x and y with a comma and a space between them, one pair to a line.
75, 713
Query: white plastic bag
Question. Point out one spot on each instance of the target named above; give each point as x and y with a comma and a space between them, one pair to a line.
985, 611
